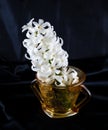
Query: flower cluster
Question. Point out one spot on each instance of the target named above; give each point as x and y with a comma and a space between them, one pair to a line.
44, 49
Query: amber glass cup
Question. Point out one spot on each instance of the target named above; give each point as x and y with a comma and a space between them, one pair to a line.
62, 101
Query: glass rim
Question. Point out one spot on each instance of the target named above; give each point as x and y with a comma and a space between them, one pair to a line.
81, 75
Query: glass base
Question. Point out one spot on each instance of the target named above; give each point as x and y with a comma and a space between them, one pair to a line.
52, 114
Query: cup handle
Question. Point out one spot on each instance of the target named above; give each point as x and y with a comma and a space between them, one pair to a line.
34, 86
85, 98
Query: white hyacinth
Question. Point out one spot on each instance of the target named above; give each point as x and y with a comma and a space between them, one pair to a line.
44, 49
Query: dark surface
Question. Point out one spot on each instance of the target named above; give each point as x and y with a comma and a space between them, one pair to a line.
83, 26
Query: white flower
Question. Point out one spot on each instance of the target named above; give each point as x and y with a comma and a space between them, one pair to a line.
44, 49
